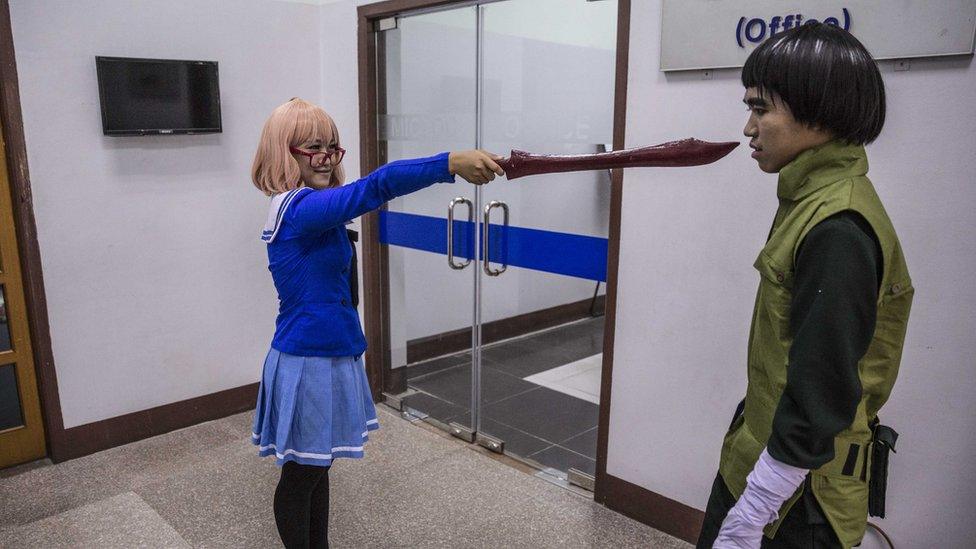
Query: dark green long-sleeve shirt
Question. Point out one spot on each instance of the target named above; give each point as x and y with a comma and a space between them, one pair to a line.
832, 318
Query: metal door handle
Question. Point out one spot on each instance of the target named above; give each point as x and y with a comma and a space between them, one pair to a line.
450, 231
485, 241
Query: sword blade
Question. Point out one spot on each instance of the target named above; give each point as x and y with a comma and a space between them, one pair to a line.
686, 152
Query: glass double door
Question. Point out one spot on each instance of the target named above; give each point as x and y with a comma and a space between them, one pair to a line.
496, 291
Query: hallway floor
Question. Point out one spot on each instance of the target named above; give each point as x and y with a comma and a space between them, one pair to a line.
204, 487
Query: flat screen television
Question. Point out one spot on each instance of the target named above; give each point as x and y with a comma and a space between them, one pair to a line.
158, 96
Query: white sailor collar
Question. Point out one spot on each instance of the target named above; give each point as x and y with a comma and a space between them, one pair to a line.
279, 205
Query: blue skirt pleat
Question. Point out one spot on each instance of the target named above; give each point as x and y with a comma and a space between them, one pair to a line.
312, 409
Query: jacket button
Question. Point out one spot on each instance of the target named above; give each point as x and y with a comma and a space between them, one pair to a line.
343, 302
780, 277
895, 288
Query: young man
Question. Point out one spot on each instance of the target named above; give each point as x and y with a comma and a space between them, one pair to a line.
832, 308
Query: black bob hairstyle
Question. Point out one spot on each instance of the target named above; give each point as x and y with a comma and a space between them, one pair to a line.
826, 77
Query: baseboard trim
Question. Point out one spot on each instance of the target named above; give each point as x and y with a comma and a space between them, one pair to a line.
653, 509
109, 433
458, 340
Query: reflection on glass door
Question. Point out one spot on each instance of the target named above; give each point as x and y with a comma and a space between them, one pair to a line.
550, 72
518, 327
430, 104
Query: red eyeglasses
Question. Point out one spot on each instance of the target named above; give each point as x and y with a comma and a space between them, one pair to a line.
317, 159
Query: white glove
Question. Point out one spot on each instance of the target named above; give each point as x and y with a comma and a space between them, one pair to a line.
770, 483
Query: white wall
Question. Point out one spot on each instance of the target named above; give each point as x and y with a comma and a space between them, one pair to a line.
156, 280
686, 286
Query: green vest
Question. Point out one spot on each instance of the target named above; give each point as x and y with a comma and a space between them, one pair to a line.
819, 183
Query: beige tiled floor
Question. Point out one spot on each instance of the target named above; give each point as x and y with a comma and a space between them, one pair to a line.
205, 487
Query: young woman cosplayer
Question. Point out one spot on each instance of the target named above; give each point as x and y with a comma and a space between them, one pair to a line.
314, 403
832, 308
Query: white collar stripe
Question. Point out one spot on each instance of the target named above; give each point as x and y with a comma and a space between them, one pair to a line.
279, 204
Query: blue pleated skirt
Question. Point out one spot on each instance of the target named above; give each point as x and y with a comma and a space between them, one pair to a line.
313, 409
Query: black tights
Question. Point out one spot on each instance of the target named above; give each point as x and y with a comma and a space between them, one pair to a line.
301, 506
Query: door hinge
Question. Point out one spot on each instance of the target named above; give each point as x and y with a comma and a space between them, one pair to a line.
462, 432
492, 443
381, 25
581, 479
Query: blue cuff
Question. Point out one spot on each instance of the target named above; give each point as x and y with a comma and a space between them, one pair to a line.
446, 176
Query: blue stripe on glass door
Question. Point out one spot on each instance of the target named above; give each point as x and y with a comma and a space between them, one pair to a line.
548, 251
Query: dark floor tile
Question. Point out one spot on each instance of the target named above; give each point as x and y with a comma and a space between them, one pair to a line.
523, 358
516, 442
584, 444
454, 385
576, 340
437, 365
530, 419
433, 406
562, 459
581, 349
547, 414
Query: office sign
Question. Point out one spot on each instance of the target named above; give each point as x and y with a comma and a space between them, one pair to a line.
712, 34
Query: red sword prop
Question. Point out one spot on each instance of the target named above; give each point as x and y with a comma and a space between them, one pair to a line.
686, 152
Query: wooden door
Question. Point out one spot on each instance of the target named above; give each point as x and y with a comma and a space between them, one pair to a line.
21, 428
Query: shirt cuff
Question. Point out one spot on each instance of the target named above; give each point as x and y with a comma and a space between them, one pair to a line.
445, 176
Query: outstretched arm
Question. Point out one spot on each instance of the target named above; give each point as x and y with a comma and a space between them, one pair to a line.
315, 211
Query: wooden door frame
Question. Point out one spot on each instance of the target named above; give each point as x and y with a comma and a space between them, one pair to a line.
12, 122
376, 301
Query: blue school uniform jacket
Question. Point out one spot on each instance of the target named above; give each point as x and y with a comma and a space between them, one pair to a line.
309, 255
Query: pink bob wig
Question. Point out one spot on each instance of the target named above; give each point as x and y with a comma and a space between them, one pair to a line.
290, 125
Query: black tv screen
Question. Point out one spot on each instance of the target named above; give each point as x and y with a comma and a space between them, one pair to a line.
158, 96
